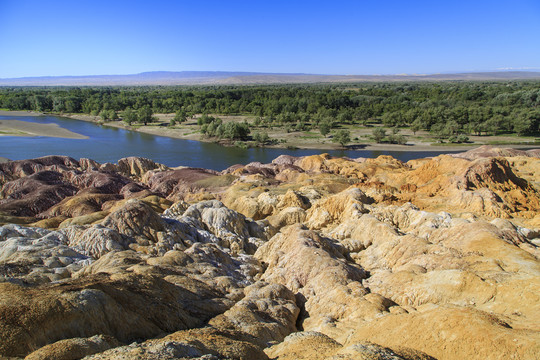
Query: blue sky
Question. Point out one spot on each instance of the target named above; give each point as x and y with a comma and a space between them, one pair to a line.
50, 38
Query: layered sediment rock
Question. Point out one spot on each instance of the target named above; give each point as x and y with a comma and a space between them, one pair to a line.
303, 258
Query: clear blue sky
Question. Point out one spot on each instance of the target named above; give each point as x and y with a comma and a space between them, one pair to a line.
81, 37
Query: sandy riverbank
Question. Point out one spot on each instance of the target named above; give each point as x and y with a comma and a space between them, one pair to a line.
25, 128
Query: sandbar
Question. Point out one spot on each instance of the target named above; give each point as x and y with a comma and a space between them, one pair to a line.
19, 113
25, 128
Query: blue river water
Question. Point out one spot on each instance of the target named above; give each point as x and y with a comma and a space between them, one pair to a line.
108, 144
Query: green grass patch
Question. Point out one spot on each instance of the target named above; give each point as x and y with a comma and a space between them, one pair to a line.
12, 132
191, 133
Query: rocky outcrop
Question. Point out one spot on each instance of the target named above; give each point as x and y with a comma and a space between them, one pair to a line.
33, 194
314, 257
12, 170
136, 220
220, 221
60, 186
76, 348
137, 167
327, 286
79, 205
99, 182
29, 256
268, 312
488, 151
313, 345
337, 208
450, 333
102, 304
486, 186
95, 241
205, 343
173, 182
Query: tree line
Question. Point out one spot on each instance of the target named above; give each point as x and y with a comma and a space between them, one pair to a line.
448, 109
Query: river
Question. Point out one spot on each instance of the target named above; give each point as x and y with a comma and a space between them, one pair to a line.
108, 144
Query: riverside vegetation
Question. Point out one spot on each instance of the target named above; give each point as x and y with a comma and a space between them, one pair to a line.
449, 112
303, 258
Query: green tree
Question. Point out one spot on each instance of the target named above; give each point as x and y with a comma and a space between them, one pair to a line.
441, 131
301, 126
261, 138
452, 127
415, 126
204, 129
205, 119
104, 115
342, 137
112, 115
144, 114
214, 128
462, 138
345, 117
58, 105
523, 125
180, 116
392, 119
236, 131
379, 134
397, 139
324, 128
129, 116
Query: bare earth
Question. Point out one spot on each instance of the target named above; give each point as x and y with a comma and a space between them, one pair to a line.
24, 128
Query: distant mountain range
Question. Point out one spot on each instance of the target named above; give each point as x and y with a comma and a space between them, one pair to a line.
250, 78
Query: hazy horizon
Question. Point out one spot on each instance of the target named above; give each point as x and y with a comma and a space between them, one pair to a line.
270, 73
64, 38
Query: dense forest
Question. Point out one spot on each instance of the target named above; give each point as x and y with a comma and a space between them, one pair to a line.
444, 108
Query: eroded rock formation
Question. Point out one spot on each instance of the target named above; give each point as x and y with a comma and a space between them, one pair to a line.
303, 258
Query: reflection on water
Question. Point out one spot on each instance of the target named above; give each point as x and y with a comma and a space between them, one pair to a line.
108, 144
